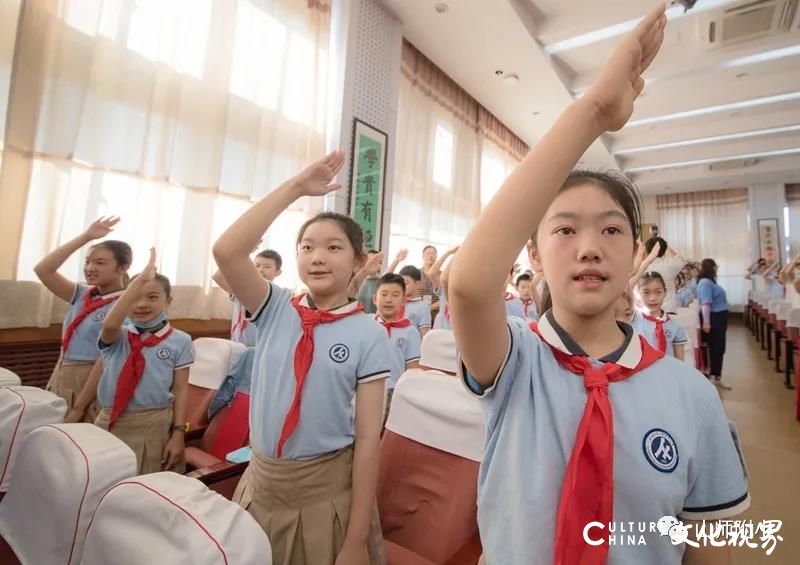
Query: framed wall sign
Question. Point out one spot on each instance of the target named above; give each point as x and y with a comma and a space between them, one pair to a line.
769, 239
367, 181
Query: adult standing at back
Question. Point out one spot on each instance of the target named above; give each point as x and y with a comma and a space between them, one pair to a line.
668, 264
428, 288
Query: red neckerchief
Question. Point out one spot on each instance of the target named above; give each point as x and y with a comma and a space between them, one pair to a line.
587, 493
661, 338
132, 371
240, 325
91, 302
303, 356
401, 323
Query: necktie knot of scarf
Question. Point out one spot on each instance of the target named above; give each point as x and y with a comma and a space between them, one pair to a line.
132, 372
92, 301
303, 357
661, 337
587, 493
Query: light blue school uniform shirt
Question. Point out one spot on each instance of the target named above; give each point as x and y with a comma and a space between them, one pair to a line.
419, 313
709, 292
673, 332
83, 345
684, 297
161, 362
441, 322
348, 352
248, 336
404, 345
673, 450
514, 307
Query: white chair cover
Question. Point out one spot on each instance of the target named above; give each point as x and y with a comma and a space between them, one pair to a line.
61, 473
794, 318
8, 378
213, 359
434, 409
22, 410
784, 310
170, 518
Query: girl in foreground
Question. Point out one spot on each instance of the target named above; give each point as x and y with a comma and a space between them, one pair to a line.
568, 444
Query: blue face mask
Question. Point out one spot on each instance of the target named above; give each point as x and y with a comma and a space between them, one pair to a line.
148, 326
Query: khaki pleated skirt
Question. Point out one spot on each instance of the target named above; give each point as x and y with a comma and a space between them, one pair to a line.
67, 380
146, 432
304, 507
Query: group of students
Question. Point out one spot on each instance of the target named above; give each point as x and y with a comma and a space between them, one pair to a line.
586, 421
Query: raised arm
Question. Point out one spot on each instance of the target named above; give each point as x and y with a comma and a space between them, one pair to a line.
640, 265
219, 278
435, 273
47, 268
480, 267
372, 265
231, 251
401, 256
116, 316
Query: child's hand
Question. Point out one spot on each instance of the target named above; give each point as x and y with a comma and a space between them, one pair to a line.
401, 255
620, 80
74, 416
317, 178
173, 452
353, 555
375, 261
149, 272
101, 227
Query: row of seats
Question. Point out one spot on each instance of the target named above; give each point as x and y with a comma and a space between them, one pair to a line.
775, 323
72, 497
430, 457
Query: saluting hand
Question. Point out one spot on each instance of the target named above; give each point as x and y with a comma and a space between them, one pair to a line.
317, 178
101, 227
620, 80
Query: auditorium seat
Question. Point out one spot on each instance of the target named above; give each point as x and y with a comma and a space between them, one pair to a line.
61, 472
22, 410
228, 430
8, 378
170, 518
430, 456
213, 358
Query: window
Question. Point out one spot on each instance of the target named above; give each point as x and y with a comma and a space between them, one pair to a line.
443, 157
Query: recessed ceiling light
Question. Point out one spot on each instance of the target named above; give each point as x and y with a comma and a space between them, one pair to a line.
441, 7
536, 113
741, 75
667, 188
735, 114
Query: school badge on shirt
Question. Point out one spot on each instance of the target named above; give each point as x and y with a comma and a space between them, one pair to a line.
401, 342
660, 450
163, 353
99, 316
339, 353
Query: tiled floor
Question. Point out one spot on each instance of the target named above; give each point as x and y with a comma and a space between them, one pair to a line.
764, 412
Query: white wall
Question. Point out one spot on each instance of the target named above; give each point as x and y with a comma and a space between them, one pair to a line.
370, 41
765, 201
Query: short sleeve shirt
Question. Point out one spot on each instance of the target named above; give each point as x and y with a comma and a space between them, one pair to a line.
83, 345
673, 451
348, 352
160, 363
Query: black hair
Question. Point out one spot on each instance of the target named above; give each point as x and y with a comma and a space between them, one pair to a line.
122, 253
619, 188
163, 280
272, 254
424, 249
392, 278
347, 224
651, 243
372, 252
411, 271
523, 277
708, 270
650, 276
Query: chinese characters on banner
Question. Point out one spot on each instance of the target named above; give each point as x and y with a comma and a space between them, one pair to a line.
366, 202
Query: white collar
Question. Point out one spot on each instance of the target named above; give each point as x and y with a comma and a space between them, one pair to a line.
167, 327
344, 309
629, 359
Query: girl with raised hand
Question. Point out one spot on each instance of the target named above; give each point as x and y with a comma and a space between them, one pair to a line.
571, 449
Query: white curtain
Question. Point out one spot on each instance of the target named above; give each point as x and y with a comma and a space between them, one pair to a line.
173, 115
437, 176
712, 225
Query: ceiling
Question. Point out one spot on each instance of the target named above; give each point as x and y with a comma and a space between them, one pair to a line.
736, 100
